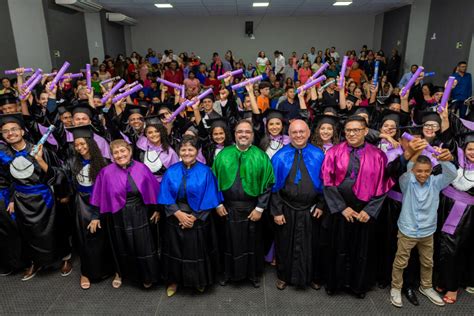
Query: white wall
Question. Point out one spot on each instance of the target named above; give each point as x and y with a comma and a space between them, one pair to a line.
94, 35
417, 32
205, 35
29, 31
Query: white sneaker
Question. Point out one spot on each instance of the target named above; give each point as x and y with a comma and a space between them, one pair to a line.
431, 294
396, 297
470, 289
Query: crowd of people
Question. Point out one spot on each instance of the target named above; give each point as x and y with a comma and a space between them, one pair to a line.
318, 183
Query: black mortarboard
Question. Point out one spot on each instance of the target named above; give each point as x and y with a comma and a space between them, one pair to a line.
466, 138
7, 98
327, 119
217, 122
12, 118
274, 113
97, 95
62, 109
430, 116
133, 109
356, 110
153, 120
437, 89
352, 98
82, 107
332, 109
393, 99
83, 131
245, 114
390, 115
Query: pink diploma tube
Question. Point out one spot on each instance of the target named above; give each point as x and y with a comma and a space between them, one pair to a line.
412, 81
308, 85
428, 148
58, 76
320, 71
342, 74
127, 93
128, 86
188, 103
30, 87
13, 71
232, 73
446, 94
88, 77
112, 91
246, 82
30, 80
169, 83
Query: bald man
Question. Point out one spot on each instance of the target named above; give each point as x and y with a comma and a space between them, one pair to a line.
296, 203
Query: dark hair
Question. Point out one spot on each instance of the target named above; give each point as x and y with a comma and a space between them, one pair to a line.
189, 140
318, 142
423, 159
263, 85
228, 136
97, 160
288, 88
462, 63
356, 118
165, 143
242, 121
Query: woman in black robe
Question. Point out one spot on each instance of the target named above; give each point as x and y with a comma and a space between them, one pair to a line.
82, 170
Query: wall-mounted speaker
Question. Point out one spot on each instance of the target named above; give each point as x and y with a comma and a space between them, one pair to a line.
248, 27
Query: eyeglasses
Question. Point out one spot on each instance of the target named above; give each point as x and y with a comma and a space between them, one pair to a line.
355, 131
243, 132
431, 126
8, 131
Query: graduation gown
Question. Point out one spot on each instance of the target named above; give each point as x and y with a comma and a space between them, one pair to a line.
353, 177
155, 158
94, 248
296, 195
190, 256
35, 208
128, 198
454, 258
245, 180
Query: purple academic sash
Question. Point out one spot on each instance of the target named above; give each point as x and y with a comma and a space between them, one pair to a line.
462, 201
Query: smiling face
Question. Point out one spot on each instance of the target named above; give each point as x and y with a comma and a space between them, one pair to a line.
66, 119
80, 119
207, 104
422, 172
12, 133
153, 135
122, 155
355, 133
81, 146
326, 132
430, 128
389, 128
188, 154
275, 126
299, 133
136, 121
244, 135
218, 135
469, 152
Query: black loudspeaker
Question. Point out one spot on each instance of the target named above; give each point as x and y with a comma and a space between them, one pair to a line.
249, 27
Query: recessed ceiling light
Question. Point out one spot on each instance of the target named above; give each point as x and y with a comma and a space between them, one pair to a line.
260, 4
342, 3
163, 5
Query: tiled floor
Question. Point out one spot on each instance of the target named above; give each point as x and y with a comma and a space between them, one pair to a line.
49, 293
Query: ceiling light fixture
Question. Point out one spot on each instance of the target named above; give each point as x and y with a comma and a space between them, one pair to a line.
260, 4
342, 3
163, 5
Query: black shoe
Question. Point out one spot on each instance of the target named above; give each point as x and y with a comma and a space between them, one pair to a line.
360, 295
382, 285
255, 283
5, 272
329, 292
223, 282
411, 296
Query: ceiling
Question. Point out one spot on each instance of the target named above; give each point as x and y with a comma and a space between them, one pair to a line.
138, 8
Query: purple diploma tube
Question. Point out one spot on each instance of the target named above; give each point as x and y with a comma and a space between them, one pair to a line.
58, 76
169, 83
88, 77
375, 79
429, 74
30, 80
342, 74
183, 91
246, 82
121, 96
429, 148
188, 103
232, 73
412, 81
13, 71
50, 74
110, 79
319, 71
30, 87
112, 91
446, 94
72, 76
308, 85
128, 86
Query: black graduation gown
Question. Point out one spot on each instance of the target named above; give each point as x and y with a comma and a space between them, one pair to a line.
350, 262
35, 208
454, 254
94, 248
190, 256
132, 239
294, 241
242, 239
